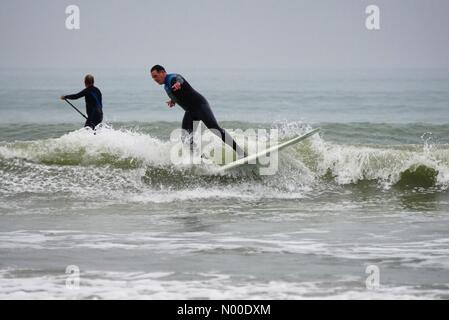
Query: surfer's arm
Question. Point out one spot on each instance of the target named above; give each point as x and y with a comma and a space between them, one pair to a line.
171, 102
75, 96
176, 82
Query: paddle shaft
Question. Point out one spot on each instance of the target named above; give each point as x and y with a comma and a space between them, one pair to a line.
75, 108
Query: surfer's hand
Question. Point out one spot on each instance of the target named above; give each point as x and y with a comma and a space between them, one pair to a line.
176, 86
170, 103
62, 97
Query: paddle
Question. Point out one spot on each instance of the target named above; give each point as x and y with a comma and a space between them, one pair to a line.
75, 108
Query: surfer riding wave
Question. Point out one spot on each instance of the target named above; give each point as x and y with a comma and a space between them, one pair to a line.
196, 107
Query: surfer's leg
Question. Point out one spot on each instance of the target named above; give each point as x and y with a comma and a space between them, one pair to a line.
98, 118
206, 115
187, 126
94, 120
90, 123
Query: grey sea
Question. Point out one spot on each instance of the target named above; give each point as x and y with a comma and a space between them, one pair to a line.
359, 211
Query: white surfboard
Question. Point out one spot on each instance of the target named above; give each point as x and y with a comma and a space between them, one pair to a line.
265, 152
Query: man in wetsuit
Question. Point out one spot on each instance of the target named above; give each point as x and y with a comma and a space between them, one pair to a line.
94, 105
194, 104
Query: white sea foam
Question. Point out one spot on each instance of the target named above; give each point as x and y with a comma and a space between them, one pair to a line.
164, 285
425, 253
350, 164
347, 164
121, 143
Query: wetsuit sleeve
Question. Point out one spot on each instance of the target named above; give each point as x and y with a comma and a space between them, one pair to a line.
172, 97
77, 95
179, 79
173, 79
176, 78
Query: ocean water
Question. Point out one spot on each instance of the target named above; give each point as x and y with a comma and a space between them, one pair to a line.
370, 191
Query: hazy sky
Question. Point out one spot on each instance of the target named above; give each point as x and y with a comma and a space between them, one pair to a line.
240, 33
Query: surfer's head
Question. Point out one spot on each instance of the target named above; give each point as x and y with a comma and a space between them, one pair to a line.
89, 80
158, 74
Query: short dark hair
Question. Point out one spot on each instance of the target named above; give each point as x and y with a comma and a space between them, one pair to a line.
157, 68
89, 80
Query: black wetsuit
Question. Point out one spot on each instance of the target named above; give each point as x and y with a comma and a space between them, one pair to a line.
94, 105
196, 108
